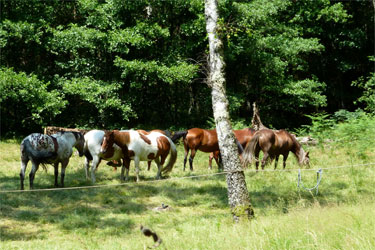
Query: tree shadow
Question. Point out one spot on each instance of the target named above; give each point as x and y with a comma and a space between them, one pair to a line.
8, 233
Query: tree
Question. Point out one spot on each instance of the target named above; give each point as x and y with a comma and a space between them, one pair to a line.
238, 195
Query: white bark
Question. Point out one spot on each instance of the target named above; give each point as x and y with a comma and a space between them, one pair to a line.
238, 195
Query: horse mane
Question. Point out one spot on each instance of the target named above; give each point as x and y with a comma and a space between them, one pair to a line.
76, 134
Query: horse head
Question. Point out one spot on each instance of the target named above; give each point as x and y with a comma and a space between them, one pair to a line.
80, 142
305, 160
108, 141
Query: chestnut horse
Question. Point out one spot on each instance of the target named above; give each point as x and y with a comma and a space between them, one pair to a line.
203, 140
274, 143
139, 147
243, 136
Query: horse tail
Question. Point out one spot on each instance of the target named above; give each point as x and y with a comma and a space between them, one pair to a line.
239, 147
172, 158
178, 135
39, 156
86, 151
248, 153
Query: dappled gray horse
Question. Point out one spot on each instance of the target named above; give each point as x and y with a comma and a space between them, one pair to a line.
49, 149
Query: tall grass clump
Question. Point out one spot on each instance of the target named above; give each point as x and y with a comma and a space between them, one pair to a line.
352, 131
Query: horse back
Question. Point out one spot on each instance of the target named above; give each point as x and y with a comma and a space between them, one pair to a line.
285, 141
41, 148
202, 139
266, 139
244, 135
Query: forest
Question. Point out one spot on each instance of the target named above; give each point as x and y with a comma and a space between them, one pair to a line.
143, 64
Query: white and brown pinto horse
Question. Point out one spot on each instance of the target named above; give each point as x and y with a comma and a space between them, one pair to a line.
273, 143
49, 149
144, 132
93, 144
141, 147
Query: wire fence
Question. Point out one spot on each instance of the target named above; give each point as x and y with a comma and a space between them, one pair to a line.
187, 177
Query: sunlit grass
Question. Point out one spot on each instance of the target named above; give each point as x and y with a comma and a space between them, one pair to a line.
340, 216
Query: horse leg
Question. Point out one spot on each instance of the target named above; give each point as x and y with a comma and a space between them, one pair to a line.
148, 165
191, 158
56, 166
186, 154
94, 166
256, 154
32, 174
264, 160
125, 165
219, 162
285, 157
63, 167
87, 166
210, 160
24, 161
276, 161
157, 161
136, 163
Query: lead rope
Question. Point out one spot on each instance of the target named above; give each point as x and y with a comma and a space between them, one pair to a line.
319, 175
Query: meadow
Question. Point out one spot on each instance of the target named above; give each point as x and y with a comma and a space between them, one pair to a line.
340, 216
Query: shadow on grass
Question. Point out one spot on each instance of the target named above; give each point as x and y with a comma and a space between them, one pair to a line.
86, 209
8, 233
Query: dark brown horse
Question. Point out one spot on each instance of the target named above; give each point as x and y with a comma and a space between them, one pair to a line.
204, 140
274, 143
139, 147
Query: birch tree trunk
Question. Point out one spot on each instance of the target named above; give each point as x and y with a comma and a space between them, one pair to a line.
238, 195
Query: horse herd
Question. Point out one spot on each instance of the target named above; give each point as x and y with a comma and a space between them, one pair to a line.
122, 146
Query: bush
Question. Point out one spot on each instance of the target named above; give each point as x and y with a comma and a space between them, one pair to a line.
344, 128
26, 103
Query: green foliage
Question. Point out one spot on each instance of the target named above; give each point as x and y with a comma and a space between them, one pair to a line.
100, 98
26, 102
368, 94
148, 58
344, 128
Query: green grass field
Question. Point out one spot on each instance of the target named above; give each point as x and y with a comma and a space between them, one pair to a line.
341, 216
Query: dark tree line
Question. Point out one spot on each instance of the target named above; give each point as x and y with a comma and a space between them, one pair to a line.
123, 64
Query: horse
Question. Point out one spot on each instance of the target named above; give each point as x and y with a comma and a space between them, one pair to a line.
91, 150
144, 132
274, 143
243, 136
49, 149
139, 147
200, 139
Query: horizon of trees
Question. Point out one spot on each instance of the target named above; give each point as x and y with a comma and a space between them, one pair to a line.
142, 64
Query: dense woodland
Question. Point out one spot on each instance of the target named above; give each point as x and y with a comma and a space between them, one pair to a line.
143, 64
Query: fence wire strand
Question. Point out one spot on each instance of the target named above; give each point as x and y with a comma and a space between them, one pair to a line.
183, 177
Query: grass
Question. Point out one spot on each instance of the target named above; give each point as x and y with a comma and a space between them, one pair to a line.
341, 216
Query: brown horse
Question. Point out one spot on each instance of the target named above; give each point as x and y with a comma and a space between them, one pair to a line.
243, 136
274, 143
203, 140
139, 147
